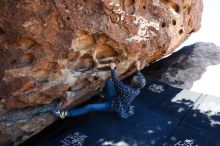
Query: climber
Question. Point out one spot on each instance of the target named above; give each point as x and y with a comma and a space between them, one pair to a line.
119, 96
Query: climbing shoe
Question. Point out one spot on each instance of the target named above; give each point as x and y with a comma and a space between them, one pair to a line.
102, 96
59, 113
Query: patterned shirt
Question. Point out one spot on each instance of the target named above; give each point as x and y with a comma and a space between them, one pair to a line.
121, 104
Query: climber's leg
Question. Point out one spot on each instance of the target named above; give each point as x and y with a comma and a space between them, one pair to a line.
109, 90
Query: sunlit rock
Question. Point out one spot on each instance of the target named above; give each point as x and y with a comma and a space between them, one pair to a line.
62, 48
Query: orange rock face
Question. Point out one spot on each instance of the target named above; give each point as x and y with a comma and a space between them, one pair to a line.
61, 49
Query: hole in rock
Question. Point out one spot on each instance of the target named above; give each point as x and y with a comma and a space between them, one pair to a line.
174, 22
164, 45
188, 10
144, 46
85, 63
96, 78
26, 43
163, 24
27, 58
144, 7
104, 68
69, 89
189, 22
68, 18
13, 62
181, 31
105, 51
177, 8
47, 1
106, 60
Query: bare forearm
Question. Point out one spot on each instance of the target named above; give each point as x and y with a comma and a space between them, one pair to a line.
137, 65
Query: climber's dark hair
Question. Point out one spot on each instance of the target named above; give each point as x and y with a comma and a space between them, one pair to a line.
138, 81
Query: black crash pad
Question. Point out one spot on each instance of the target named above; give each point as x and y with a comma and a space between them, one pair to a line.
191, 136
145, 128
164, 116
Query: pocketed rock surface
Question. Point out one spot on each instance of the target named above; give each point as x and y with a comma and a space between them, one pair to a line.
61, 49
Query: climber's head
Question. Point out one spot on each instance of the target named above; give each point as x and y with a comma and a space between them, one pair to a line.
138, 81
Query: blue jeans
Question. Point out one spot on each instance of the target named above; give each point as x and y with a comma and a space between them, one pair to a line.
109, 92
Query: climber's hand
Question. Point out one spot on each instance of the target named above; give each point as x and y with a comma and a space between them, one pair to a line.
137, 65
112, 65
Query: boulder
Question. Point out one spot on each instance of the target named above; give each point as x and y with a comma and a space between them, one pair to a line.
60, 49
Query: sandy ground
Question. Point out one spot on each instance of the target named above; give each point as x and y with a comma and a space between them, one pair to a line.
209, 82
